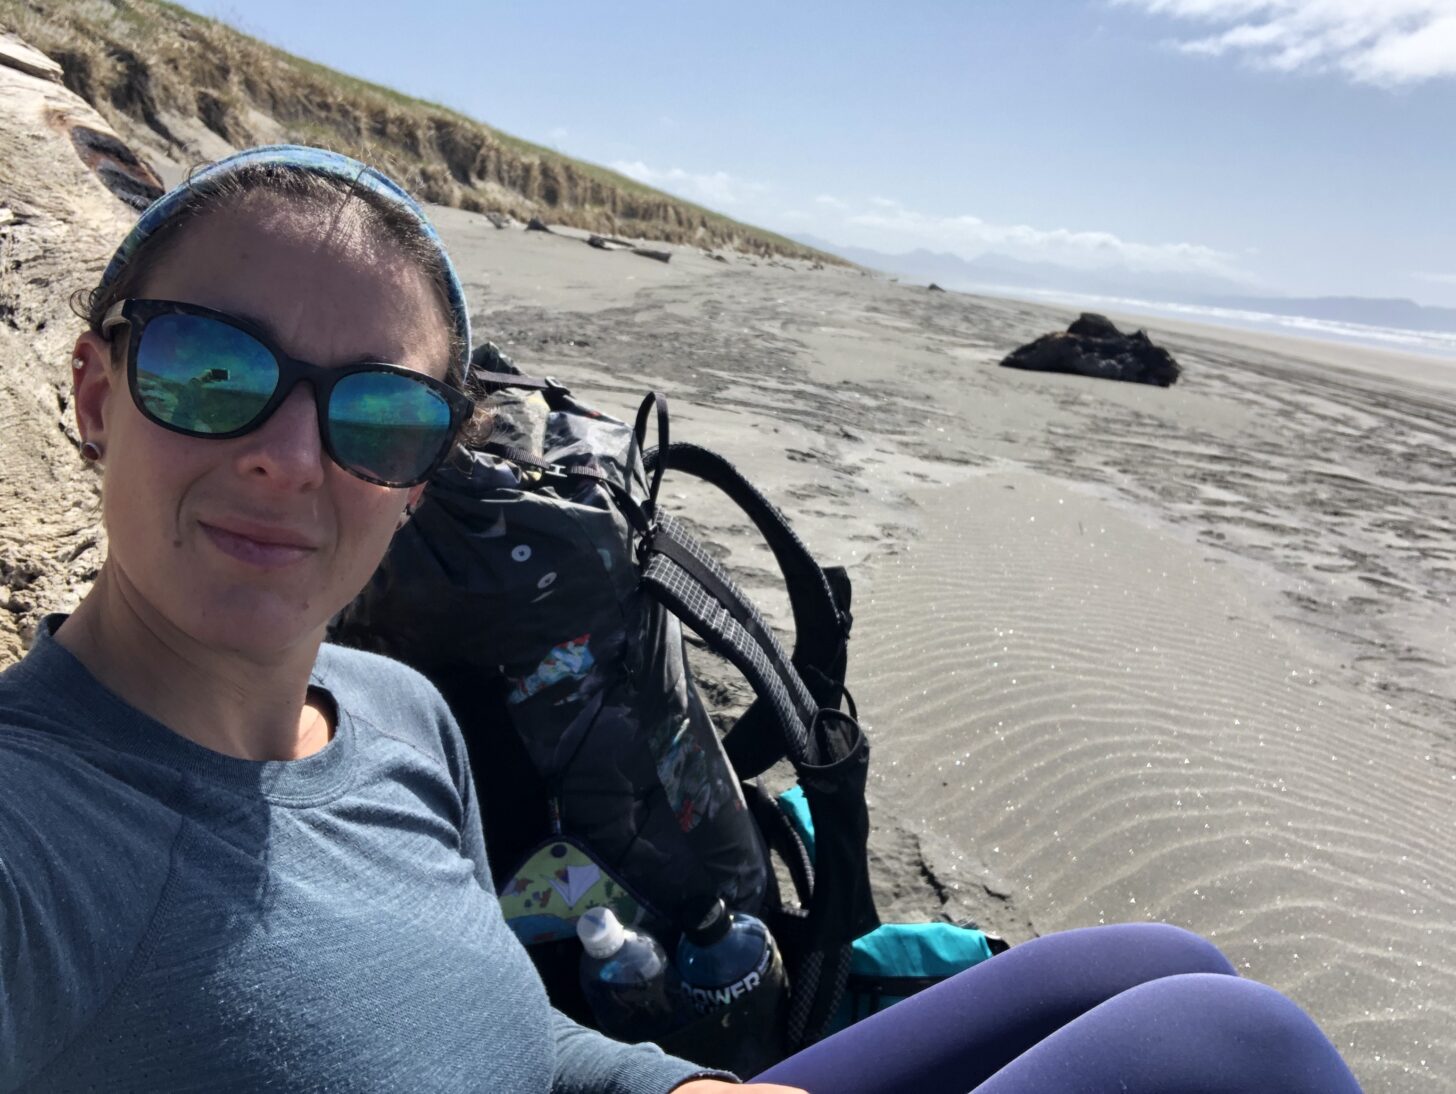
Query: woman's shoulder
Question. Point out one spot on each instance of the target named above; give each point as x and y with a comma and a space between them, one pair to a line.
85, 854
41, 740
67, 815
35, 762
65, 794
85, 842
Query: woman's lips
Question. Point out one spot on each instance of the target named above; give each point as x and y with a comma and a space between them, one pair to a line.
258, 549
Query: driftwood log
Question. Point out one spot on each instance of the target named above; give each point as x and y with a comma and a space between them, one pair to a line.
69, 190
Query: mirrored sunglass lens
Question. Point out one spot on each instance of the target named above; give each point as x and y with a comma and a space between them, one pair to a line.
201, 375
387, 426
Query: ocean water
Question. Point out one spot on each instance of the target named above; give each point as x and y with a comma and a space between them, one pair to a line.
1440, 344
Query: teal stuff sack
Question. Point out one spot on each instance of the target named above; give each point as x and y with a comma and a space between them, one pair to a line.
895, 960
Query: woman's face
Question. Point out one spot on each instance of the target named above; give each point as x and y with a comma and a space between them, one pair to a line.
251, 544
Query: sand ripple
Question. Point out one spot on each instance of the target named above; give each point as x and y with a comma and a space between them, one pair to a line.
1126, 730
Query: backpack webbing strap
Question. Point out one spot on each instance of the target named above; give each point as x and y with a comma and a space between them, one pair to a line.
525, 459
721, 589
521, 458
506, 379
842, 906
784, 840
816, 614
816, 990
657, 401
818, 598
490, 367
694, 587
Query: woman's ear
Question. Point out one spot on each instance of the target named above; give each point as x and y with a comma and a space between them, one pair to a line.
92, 379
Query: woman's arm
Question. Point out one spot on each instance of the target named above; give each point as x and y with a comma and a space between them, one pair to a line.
588, 1062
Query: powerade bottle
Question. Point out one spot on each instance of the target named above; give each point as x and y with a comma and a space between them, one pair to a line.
633, 991
729, 960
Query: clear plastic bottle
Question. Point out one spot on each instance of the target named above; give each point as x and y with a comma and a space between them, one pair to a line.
727, 957
632, 989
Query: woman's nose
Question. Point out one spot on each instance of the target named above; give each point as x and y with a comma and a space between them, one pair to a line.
287, 448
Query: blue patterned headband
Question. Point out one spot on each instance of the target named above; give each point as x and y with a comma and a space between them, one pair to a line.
301, 158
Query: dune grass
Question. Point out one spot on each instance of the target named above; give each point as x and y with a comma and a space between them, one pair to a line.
140, 62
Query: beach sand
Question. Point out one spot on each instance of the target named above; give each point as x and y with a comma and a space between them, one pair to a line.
1124, 653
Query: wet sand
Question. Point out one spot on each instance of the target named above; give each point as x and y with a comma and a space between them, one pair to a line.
1124, 652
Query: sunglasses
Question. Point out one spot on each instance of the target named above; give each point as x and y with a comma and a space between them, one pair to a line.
202, 373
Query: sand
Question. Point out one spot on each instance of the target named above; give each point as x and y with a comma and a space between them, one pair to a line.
1125, 653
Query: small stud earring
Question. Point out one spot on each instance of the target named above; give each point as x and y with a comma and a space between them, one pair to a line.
77, 363
90, 451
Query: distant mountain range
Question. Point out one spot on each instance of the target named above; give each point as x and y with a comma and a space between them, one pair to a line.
998, 271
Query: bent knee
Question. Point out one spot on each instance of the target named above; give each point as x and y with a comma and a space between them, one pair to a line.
1244, 1014
1194, 952
1237, 1034
1158, 949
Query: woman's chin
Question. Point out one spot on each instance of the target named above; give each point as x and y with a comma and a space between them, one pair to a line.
257, 625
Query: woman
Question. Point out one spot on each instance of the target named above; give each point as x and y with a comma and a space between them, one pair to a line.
235, 858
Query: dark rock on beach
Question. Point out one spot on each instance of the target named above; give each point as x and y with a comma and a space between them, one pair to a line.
1093, 346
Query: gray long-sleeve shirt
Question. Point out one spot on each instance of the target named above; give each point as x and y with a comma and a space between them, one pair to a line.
175, 919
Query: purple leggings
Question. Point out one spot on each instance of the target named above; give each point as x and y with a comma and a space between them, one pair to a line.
1140, 1008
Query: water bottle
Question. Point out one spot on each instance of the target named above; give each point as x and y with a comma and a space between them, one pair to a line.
633, 991
729, 960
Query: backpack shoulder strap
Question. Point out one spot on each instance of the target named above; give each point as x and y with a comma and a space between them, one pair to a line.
819, 600
826, 747
678, 571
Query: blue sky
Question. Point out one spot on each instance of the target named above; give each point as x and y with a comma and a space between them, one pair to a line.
1300, 146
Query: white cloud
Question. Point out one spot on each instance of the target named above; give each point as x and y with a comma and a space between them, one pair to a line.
715, 189
1438, 278
1382, 42
890, 225
886, 224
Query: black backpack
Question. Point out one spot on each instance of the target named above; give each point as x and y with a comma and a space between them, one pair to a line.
542, 588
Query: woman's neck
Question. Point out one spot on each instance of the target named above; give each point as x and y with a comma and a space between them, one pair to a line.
253, 708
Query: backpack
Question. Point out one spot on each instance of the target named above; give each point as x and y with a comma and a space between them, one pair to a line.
543, 589
528, 574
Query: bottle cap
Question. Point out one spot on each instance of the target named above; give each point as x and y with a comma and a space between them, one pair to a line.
713, 926
601, 932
